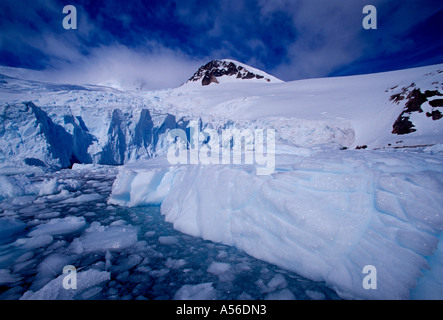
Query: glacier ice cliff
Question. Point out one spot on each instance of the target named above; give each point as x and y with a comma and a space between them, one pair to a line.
31, 135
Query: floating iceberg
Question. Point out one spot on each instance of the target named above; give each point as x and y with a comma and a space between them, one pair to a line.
324, 216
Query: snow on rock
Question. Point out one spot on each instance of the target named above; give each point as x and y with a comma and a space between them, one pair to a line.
219, 71
324, 216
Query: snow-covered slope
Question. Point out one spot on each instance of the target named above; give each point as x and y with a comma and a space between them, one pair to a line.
367, 105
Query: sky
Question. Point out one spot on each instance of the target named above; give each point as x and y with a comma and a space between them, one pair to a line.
161, 43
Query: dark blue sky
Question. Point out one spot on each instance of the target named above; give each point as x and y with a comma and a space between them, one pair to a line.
163, 42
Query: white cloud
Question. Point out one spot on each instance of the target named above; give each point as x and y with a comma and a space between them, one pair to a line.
154, 67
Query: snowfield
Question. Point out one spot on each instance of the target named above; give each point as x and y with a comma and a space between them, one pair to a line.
357, 182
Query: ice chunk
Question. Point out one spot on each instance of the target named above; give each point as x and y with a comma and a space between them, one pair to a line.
48, 215
59, 226
54, 290
48, 186
38, 241
8, 189
218, 268
108, 238
49, 269
168, 240
16, 186
202, 291
284, 294
159, 273
175, 263
277, 282
84, 198
149, 234
134, 188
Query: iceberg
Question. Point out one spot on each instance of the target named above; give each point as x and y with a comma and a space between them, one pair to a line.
325, 215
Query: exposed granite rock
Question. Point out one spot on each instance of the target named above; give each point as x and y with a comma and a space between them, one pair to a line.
414, 102
218, 68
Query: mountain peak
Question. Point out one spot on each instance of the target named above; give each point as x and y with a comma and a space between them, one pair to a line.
226, 70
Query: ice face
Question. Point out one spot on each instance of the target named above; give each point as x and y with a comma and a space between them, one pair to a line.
324, 215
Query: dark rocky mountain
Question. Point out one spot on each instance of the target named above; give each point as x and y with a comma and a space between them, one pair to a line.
214, 70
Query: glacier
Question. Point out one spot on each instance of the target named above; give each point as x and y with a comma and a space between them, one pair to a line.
84, 171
